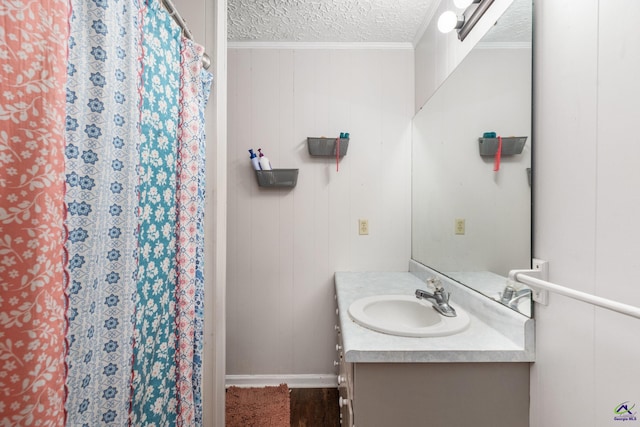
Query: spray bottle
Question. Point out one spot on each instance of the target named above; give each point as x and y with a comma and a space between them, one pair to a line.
265, 164
254, 160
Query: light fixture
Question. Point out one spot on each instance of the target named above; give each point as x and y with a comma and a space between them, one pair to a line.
475, 9
449, 21
463, 4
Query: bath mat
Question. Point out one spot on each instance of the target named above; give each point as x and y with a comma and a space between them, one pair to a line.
258, 407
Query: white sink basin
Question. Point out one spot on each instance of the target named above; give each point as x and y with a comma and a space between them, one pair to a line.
406, 315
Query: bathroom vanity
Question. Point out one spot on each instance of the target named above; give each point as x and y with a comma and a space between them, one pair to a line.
477, 377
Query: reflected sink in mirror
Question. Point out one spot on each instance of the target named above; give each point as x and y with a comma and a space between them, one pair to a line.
407, 316
453, 183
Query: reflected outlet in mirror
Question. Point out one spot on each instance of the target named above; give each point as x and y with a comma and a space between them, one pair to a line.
470, 221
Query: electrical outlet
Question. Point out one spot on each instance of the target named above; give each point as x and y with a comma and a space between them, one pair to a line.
460, 227
363, 227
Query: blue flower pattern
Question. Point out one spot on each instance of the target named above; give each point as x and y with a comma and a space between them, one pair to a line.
121, 199
102, 224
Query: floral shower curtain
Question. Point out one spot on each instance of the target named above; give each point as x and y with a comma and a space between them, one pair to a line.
126, 190
33, 45
101, 152
154, 380
190, 232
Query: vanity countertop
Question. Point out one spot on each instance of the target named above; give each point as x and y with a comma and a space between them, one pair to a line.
480, 342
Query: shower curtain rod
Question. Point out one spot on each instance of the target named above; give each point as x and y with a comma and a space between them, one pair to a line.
206, 61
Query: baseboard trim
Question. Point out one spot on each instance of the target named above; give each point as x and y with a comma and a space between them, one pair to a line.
293, 381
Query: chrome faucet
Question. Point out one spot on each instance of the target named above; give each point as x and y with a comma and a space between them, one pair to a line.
439, 298
507, 294
510, 295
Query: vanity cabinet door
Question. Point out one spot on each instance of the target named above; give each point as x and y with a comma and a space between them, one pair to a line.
345, 385
346, 409
345, 388
441, 394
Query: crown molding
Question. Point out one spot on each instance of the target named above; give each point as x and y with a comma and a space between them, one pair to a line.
321, 45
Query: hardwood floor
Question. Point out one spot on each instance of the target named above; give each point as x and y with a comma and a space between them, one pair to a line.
314, 407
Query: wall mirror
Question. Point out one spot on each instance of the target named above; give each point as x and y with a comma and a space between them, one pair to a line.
470, 222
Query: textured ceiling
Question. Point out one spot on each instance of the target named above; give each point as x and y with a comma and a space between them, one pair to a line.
349, 21
382, 21
514, 26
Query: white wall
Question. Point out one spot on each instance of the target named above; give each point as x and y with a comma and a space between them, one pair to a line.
285, 245
586, 151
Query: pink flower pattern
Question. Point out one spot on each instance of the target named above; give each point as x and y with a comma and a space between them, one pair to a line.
188, 200
42, 340
33, 46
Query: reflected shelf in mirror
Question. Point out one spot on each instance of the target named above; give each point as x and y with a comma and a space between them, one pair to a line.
489, 90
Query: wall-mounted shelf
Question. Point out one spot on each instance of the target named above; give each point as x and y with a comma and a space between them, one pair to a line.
280, 178
510, 145
326, 147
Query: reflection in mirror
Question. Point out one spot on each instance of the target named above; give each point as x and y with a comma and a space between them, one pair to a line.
470, 221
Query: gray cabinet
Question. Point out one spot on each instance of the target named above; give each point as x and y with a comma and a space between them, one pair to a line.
433, 394
345, 386
440, 394
477, 378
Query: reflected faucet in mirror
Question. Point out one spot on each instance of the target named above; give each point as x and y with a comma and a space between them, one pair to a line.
452, 184
512, 296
